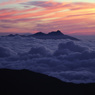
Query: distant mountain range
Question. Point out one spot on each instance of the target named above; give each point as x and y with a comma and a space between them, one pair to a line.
51, 35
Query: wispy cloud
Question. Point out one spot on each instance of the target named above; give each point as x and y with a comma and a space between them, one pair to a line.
67, 16
12, 2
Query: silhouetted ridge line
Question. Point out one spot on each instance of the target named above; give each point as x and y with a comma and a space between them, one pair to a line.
51, 35
24, 82
39, 34
56, 33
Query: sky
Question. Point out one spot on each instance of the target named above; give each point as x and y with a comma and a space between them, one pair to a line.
74, 17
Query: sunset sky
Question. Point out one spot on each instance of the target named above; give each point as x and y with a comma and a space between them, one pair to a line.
76, 17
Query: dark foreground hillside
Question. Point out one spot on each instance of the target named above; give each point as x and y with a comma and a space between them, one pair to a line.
24, 82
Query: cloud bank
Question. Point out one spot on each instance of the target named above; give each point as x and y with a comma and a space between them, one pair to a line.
66, 60
5, 52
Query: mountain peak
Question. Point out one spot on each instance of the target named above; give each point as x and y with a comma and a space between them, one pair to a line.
55, 33
51, 35
39, 33
58, 31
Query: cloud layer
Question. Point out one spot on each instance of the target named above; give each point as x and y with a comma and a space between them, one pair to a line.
66, 60
5, 52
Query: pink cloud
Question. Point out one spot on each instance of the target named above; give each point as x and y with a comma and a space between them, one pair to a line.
12, 2
69, 17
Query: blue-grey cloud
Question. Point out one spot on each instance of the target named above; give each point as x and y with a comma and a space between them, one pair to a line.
6, 52
66, 60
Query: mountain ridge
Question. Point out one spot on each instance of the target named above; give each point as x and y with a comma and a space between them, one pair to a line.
25, 82
51, 35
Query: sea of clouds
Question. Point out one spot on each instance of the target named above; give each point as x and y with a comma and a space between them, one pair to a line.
67, 60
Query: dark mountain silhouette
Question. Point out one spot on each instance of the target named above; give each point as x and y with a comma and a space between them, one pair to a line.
24, 82
39, 34
12, 35
51, 35
55, 33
